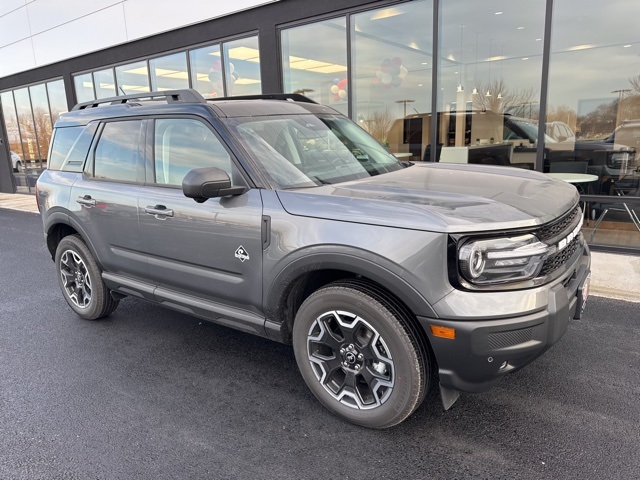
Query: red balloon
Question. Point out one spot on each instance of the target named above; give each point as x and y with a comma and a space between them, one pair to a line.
342, 84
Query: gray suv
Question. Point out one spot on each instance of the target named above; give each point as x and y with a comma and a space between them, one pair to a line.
280, 217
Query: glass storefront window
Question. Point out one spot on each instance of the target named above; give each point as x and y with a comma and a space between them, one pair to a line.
237, 74
392, 62
57, 99
27, 127
42, 120
132, 78
242, 67
84, 87
170, 72
314, 62
206, 71
104, 83
489, 84
594, 112
11, 123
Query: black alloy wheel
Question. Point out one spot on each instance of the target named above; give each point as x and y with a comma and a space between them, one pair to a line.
80, 280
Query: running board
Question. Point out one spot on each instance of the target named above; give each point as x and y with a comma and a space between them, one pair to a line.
207, 309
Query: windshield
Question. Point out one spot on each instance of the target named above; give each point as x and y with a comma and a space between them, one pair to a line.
528, 130
307, 150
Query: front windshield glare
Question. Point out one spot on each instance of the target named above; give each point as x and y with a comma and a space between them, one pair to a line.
307, 150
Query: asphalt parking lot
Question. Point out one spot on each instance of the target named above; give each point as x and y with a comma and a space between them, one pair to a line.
154, 394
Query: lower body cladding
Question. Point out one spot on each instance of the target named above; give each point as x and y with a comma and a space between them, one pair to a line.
478, 353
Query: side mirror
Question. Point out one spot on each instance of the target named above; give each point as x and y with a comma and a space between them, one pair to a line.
204, 183
562, 138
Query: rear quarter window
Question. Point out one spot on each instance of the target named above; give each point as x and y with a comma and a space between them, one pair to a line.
70, 147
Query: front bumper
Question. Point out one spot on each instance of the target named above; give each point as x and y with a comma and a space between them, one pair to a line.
483, 351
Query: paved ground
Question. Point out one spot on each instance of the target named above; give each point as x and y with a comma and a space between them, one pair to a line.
154, 394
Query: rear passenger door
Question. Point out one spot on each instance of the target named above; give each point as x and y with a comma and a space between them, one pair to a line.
104, 200
211, 250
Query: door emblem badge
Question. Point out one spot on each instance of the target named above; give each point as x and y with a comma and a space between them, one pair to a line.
241, 254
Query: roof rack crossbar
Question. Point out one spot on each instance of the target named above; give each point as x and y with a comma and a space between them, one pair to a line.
171, 96
294, 97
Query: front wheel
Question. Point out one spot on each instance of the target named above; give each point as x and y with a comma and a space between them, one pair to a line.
358, 355
80, 280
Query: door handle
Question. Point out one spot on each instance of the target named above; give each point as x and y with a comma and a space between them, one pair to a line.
158, 211
86, 200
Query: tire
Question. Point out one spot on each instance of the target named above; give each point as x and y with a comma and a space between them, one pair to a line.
80, 280
18, 166
357, 354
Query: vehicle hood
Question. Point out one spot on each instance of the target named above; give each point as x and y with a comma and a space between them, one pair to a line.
439, 198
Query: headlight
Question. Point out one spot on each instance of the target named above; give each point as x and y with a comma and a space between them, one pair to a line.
501, 260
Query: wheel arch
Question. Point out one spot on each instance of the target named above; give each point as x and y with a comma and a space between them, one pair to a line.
308, 272
59, 225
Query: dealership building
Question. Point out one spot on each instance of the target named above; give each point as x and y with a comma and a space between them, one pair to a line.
547, 85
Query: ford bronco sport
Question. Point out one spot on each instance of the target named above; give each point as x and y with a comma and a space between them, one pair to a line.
280, 217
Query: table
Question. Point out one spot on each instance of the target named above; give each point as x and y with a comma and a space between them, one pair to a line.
577, 178
574, 177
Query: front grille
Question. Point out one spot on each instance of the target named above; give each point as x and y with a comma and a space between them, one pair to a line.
556, 261
558, 227
554, 232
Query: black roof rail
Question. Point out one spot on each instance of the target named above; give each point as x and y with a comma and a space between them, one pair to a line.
171, 96
294, 97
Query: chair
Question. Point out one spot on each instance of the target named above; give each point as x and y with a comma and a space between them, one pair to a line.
568, 167
615, 207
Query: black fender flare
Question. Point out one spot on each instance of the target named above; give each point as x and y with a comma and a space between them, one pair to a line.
63, 217
376, 268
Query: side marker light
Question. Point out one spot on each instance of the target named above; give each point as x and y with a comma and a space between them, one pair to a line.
443, 332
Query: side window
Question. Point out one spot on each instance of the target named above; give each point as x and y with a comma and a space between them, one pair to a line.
119, 151
182, 144
70, 146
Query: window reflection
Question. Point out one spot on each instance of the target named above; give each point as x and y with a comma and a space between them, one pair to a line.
489, 86
391, 57
117, 152
42, 120
26, 126
242, 67
57, 99
11, 122
237, 74
84, 87
314, 60
594, 109
29, 114
182, 145
206, 71
132, 78
170, 72
104, 83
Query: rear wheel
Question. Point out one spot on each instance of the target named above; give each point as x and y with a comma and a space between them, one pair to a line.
80, 280
358, 355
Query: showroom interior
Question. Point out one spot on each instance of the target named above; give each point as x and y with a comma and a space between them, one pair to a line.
546, 85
